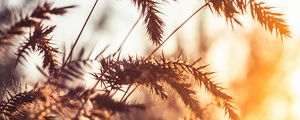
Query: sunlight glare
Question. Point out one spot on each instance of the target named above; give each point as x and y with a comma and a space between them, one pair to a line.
295, 93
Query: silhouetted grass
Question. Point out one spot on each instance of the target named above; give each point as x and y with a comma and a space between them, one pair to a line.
53, 99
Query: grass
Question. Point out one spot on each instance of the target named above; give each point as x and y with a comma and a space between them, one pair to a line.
54, 99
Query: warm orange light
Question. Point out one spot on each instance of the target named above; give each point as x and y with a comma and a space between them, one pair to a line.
290, 8
295, 93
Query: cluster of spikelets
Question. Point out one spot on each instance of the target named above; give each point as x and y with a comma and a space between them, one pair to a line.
54, 99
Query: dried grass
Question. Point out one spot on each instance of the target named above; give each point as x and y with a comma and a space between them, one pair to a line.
53, 99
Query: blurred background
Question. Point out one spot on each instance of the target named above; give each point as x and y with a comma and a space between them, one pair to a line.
259, 70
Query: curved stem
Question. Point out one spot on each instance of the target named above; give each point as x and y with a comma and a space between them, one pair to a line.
72, 49
127, 35
79, 35
159, 46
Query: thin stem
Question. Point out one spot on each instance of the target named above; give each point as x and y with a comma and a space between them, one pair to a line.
77, 39
126, 37
131, 92
128, 88
96, 84
159, 46
71, 52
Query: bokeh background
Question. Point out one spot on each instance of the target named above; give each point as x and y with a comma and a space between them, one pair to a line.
261, 71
